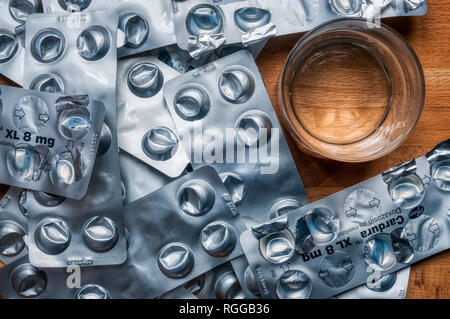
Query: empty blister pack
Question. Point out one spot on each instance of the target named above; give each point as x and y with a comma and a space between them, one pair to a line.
204, 25
139, 179
13, 227
90, 231
180, 232
143, 25
358, 235
225, 118
13, 14
49, 142
140, 96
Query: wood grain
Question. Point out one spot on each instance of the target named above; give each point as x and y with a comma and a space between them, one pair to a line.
430, 38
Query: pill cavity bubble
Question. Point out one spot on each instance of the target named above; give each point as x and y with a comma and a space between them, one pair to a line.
278, 247
294, 284
9, 44
11, 238
100, 234
253, 128
21, 9
218, 239
74, 123
236, 85
284, 207
440, 172
408, 191
204, 19
23, 163
52, 236
105, 140
196, 197
403, 249
28, 281
323, 225
176, 260
67, 169
379, 253
382, 284
251, 18
346, 7
145, 80
235, 186
422, 232
47, 199
192, 102
336, 270
48, 45
227, 287
92, 292
74, 5
135, 28
49, 83
93, 43
160, 143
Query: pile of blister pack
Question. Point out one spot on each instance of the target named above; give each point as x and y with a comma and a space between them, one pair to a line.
146, 161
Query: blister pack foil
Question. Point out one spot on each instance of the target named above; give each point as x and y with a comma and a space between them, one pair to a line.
90, 231
356, 236
225, 118
49, 142
205, 25
162, 253
13, 227
13, 15
143, 25
140, 96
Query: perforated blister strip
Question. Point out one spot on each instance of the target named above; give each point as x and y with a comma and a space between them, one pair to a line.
140, 96
360, 234
204, 25
143, 25
90, 231
227, 98
48, 142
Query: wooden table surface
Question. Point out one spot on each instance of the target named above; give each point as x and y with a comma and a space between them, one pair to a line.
430, 37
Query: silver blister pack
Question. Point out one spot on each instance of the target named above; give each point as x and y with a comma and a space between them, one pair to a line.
225, 118
358, 235
88, 232
139, 179
49, 142
143, 25
180, 232
204, 25
140, 96
13, 227
13, 15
